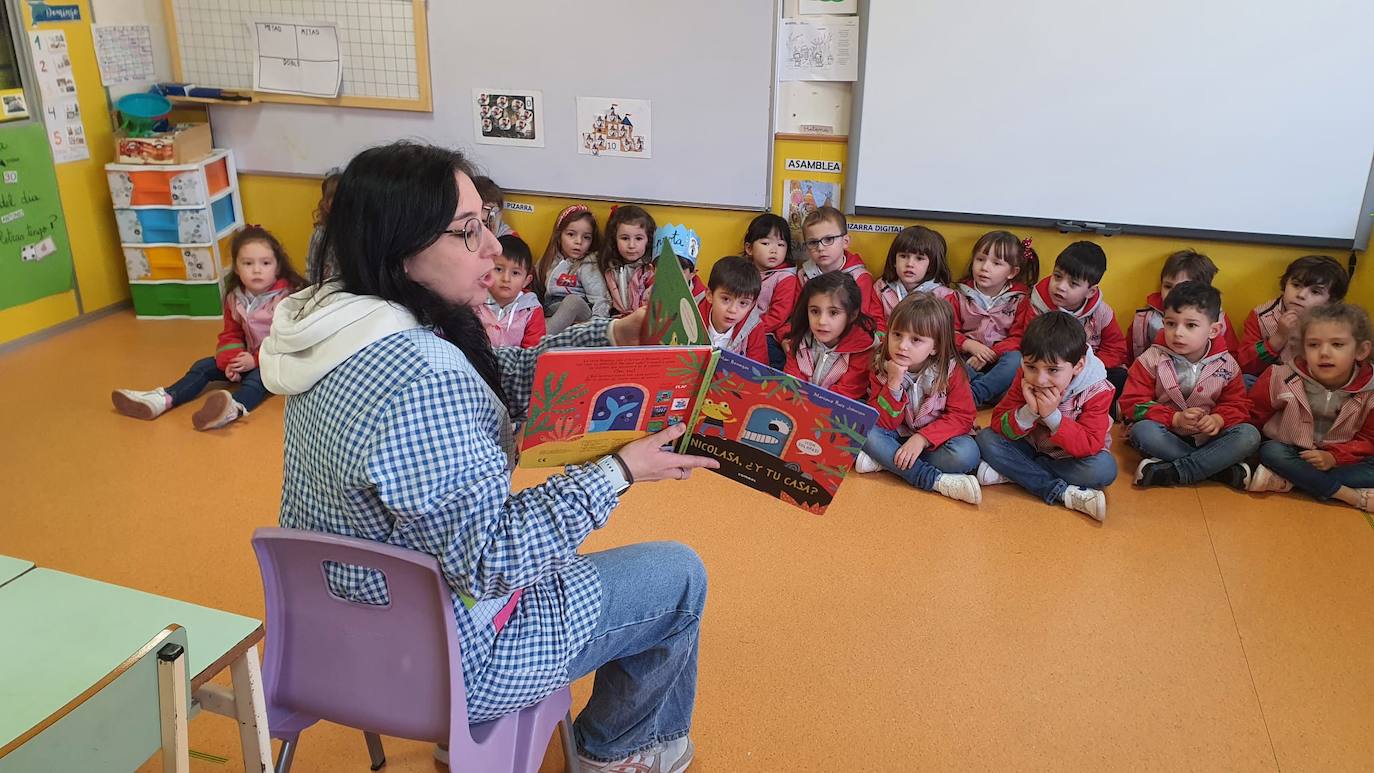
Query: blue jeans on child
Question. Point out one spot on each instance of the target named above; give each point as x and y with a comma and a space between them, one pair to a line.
250, 394
777, 358
1195, 463
989, 385
957, 455
1283, 459
643, 650
1041, 474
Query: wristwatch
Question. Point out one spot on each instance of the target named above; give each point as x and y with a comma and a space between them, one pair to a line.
616, 472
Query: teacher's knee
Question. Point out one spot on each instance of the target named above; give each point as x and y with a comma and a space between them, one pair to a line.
682, 566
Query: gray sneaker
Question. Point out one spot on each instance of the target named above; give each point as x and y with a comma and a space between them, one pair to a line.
672, 757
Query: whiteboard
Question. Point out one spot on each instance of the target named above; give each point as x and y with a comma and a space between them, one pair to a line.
1244, 117
705, 67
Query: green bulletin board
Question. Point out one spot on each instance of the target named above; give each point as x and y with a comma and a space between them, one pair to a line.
35, 253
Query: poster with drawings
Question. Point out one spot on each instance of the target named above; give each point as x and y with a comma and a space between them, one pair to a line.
614, 127
508, 117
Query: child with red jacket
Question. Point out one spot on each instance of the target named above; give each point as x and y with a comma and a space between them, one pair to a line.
1271, 329
262, 277
768, 244
728, 309
925, 408
1003, 269
1182, 266
1074, 288
826, 234
1315, 413
833, 344
1050, 433
1185, 399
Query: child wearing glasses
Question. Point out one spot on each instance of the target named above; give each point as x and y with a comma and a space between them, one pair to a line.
825, 234
493, 204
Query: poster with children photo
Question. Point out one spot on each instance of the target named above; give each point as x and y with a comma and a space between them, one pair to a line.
508, 117
614, 127
806, 196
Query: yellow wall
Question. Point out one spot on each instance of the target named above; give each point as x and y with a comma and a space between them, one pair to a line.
99, 262
1249, 273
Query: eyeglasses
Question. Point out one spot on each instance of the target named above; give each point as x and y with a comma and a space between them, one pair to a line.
471, 233
488, 210
824, 241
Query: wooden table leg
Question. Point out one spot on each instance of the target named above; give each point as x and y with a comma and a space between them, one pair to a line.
251, 707
247, 705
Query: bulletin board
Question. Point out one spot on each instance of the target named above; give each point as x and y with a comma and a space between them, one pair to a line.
384, 45
35, 253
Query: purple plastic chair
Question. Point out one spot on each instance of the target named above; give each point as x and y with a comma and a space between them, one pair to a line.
387, 670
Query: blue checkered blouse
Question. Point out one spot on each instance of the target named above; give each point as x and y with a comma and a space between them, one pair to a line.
404, 443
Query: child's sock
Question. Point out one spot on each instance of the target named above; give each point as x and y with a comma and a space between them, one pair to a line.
1237, 476
1088, 501
219, 409
961, 487
864, 463
148, 404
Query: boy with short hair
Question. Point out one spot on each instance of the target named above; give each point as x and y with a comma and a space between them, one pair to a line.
1182, 266
825, 235
728, 308
1051, 431
1074, 288
1185, 399
1271, 329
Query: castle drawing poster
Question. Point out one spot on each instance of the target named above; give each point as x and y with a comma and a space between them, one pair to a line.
614, 127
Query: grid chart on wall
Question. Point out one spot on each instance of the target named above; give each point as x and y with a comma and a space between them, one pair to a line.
376, 38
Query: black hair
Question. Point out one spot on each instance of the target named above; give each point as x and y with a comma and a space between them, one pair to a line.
922, 241
846, 291
393, 202
1195, 294
736, 275
1083, 261
1055, 337
1319, 271
514, 249
771, 225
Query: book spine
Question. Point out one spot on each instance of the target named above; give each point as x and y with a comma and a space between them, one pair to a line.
707, 374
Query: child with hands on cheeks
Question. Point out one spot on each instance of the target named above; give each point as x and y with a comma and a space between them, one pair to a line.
925, 408
1271, 329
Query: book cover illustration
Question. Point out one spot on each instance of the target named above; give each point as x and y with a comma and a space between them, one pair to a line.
776, 433
589, 402
673, 318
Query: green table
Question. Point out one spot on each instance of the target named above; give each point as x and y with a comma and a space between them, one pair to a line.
10, 568
63, 633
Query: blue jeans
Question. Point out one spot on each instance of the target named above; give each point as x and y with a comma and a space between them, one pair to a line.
956, 455
643, 650
777, 358
1195, 463
1283, 459
250, 394
1041, 474
991, 384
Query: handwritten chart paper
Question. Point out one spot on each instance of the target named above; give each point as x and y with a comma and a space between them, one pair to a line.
819, 48
297, 58
125, 53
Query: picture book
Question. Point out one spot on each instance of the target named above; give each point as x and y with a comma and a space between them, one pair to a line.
587, 403
673, 318
776, 433
770, 431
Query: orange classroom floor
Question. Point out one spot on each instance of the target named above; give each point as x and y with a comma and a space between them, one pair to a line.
1197, 629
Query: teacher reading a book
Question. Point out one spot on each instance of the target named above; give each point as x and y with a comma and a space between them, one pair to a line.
398, 429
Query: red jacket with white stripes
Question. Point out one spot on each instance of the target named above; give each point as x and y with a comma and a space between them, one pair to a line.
1153, 393
1098, 320
916, 409
1281, 410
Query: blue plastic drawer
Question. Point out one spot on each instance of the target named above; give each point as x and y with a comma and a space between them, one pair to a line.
223, 211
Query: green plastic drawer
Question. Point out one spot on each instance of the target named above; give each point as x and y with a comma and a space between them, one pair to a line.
175, 299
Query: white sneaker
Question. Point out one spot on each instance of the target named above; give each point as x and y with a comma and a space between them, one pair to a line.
1140, 468
1088, 501
863, 463
964, 488
1264, 479
989, 477
219, 409
141, 405
672, 757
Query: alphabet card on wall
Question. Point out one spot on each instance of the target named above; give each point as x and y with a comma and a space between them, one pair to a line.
615, 127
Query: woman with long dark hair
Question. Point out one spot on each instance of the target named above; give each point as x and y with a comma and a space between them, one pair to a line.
398, 430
